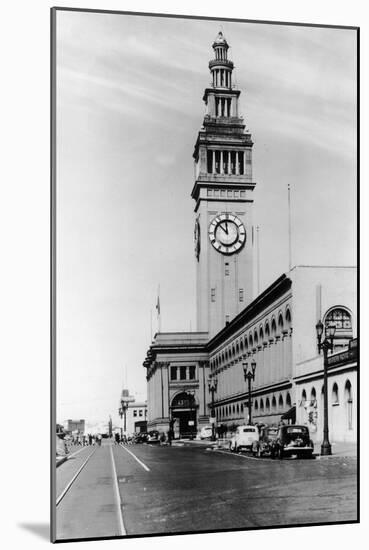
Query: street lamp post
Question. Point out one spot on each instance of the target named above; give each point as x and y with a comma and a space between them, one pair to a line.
326, 345
191, 397
212, 384
249, 375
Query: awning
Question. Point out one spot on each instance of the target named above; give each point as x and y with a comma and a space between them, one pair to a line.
290, 415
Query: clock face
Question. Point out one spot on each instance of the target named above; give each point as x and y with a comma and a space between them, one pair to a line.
227, 233
197, 238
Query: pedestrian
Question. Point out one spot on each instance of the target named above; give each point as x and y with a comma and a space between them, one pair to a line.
99, 437
162, 439
89, 439
117, 438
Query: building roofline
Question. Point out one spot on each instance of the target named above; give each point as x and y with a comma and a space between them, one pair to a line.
279, 286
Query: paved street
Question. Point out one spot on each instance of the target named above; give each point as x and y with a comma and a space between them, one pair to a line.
142, 489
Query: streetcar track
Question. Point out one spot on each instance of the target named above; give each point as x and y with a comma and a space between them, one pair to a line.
117, 496
68, 486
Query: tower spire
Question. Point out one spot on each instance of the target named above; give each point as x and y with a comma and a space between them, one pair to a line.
220, 67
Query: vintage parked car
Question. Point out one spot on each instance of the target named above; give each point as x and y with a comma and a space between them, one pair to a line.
267, 437
141, 437
244, 438
153, 437
206, 432
293, 440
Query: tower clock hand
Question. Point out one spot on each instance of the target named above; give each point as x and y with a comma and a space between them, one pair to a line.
225, 229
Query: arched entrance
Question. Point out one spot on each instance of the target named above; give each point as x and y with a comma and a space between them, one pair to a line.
183, 413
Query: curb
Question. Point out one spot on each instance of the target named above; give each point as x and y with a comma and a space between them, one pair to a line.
61, 461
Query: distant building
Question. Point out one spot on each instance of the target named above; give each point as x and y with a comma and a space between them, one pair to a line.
137, 417
136, 414
76, 425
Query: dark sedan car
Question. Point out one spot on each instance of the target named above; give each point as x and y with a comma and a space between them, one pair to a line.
153, 437
293, 440
140, 438
268, 435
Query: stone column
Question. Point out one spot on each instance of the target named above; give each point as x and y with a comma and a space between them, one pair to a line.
271, 360
213, 162
229, 171
221, 163
237, 161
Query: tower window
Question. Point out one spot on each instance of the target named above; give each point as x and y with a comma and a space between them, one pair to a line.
241, 296
182, 373
240, 160
226, 268
173, 373
192, 372
209, 158
212, 294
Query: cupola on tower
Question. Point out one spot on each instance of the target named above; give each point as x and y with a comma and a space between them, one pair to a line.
223, 192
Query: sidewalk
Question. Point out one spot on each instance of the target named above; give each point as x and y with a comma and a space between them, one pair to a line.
341, 449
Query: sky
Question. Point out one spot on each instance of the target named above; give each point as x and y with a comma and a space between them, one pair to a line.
129, 107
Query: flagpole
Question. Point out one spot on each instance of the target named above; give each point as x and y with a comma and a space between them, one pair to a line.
258, 259
289, 228
158, 310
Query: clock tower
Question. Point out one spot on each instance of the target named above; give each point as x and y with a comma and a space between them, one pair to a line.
222, 192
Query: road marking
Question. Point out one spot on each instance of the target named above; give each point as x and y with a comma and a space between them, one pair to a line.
117, 496
66, 489
135, 457
236, 454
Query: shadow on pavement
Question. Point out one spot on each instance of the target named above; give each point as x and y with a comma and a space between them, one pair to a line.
40, 529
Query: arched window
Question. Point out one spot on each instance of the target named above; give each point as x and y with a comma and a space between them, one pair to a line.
241, 346
255, 337
241, 407
267, 405
274, 404
280, 323
288, 317
288, 400
280, 402
303, 396
267, 330
261, 405
348, 403
274, 328
340, 317
256, 406
250, 341
313, 396
261, 334
335, 399
238, 409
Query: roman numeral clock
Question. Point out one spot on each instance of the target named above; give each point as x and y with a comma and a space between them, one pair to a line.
227, 233
223, 195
